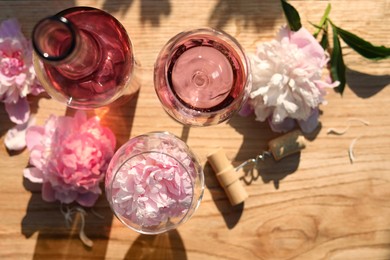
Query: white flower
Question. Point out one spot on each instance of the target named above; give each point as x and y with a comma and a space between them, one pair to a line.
287, 77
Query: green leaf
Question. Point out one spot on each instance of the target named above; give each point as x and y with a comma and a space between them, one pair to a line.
363, 47
337, 66
323, 20
324, 40
292, 15
315, 26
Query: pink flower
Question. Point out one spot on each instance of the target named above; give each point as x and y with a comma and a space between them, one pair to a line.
15, 139
287, 80
17, 75
70, 157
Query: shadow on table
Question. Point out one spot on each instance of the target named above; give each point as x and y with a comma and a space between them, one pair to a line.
20, 9
231, 214
151, 11
245, 13
6, 123
57, 241
256, 136
272, 171
117, 6
168, 245
366, 85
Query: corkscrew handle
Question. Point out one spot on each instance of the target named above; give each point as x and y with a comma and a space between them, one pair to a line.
227, 177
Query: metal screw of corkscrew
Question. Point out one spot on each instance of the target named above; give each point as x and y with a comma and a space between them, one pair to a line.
254, 161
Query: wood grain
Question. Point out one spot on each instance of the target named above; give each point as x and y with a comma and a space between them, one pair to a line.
313, 205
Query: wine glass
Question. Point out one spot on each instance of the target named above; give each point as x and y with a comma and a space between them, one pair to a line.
154, 183
202, 77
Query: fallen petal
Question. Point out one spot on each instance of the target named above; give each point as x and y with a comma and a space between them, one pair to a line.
18, 112
15, 139
350, 150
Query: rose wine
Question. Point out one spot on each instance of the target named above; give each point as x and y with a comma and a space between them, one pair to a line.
203, 79
91, 54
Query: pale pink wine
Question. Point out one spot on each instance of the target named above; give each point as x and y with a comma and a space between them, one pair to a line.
95, 57
201, 77
206, 76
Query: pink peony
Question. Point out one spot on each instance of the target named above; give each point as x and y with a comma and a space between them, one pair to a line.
287, 80
70, 157
17, 75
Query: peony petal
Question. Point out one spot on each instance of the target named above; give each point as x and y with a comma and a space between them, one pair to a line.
18, 112
70, 161
261, 111
36, 157
326, 84
289, 106
87, 199
246, 110
286, 125
36, 89
33, 174
305, 41
19, 80
110, 135
15, 139
48, 193
80, 117
284, 32
10, 28
309, 125
64, 196
34, 136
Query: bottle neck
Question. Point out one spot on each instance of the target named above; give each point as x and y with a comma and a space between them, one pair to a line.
74, 52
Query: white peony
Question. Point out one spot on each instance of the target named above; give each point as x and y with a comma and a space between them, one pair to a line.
288, 81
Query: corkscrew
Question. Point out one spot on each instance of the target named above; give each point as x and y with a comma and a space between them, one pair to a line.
279, 148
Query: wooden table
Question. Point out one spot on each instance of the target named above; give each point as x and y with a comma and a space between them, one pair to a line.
313, 205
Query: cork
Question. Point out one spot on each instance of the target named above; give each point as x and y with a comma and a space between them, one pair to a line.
227, 177
287, 144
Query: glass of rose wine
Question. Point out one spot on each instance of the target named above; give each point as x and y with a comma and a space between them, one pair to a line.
202, 77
